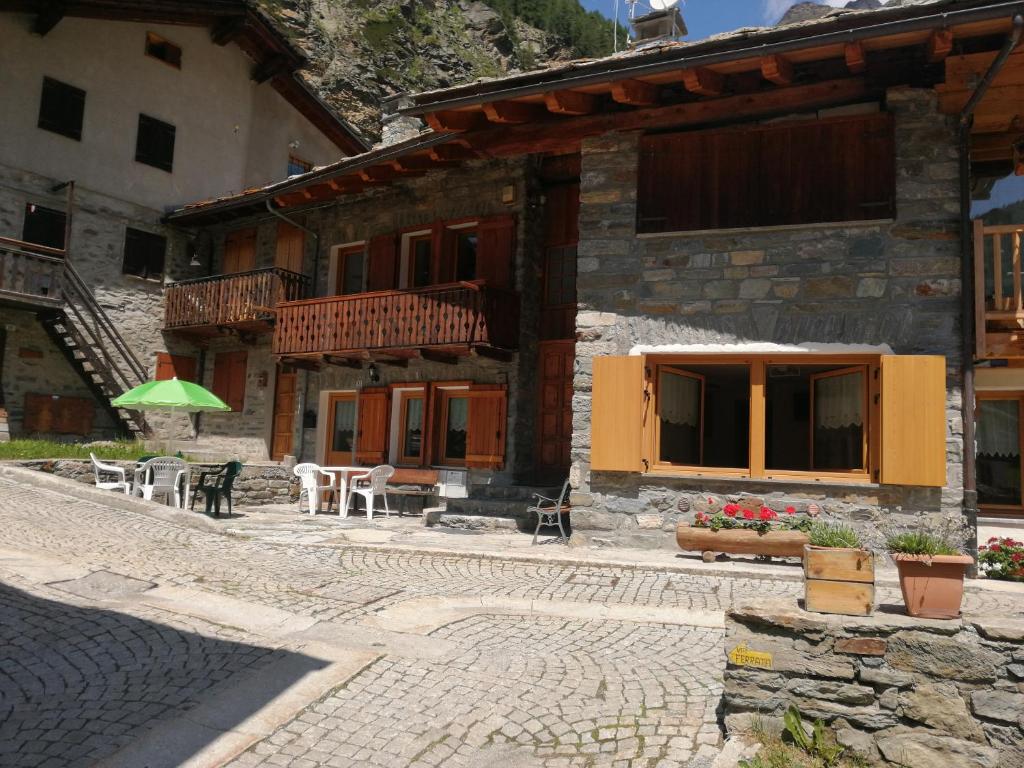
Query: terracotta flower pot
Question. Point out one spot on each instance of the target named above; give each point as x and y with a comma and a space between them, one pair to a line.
933, 586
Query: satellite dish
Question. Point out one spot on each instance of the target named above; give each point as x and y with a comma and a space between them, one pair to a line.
662, 5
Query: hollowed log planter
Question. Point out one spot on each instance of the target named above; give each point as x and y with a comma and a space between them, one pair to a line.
933, 587
840, 581
737, 541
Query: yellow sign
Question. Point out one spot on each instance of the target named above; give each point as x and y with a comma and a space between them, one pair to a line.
742, 656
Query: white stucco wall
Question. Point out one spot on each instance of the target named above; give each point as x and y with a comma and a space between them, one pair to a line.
230, 132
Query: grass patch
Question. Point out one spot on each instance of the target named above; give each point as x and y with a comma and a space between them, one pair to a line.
799, 748
119, 450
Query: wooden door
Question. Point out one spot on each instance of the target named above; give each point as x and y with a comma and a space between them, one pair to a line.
239, 251
284, 413
554, 423
561, 237
339, 450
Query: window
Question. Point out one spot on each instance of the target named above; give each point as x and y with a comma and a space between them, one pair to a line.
144, 254
154, 143
229, 374
810, 172
169, 366
420, 261
44, 226
465, 255
350, 271
297, 166
411, 427
61, 108
999, 466
454, 424
859, 419
160, 48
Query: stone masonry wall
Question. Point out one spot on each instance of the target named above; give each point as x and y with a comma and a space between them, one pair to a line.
895, 283
917, 693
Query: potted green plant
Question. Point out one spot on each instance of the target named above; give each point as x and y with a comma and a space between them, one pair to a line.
931, 573
839, 574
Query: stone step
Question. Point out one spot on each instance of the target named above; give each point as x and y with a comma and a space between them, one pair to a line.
440, 519
512, 493
475, 507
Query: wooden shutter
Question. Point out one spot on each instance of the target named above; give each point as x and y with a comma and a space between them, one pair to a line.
170, 366
239, 251
616, 414
290, 247
486, 427
446, 242
50, 414
382, 272
913, 420
39, 413
229, 374
495, 252
372, 427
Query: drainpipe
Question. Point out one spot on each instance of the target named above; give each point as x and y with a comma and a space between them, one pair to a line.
967, 268
304, 397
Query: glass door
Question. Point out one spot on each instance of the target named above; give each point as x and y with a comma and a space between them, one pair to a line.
998, 438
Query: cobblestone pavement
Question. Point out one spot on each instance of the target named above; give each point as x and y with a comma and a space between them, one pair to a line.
555, 665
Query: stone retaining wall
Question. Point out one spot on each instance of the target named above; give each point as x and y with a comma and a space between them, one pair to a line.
900, 691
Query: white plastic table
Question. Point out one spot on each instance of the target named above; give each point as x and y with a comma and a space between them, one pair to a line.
340, 481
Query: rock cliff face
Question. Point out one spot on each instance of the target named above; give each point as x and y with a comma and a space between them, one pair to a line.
364, 50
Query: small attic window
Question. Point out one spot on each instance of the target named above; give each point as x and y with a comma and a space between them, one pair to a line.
297, 166
163, 49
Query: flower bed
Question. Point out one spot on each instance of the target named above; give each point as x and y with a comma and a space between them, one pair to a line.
1002, 558
745, 530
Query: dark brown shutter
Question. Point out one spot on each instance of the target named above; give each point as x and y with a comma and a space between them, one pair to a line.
290, 246
486, 427
239, 251
49, 414
169, 366
496, 250
229, 374
372, 427
382, 274
445, 244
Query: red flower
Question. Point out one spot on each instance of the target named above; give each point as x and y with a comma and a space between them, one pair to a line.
731, 510
748, 514
995, 548
790, 510
994, 538
710, 500
1017, 557
766, 514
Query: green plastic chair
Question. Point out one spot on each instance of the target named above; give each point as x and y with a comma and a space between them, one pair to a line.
216, 485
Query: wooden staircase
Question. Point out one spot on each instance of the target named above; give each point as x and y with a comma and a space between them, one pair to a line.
92, 345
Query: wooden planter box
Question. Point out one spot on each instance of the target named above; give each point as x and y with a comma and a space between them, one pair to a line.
740, 542
839, 581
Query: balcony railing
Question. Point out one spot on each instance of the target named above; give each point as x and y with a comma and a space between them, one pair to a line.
238, 300
999, 301
30, 274
456, 315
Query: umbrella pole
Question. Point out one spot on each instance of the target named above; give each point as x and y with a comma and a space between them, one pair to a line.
168, 446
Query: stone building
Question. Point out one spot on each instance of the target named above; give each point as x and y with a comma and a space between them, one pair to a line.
113, 114
743, 270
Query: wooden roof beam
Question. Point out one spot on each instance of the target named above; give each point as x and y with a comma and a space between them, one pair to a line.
856, 58
434, 356
347, 185
344, 362
379, 173
940, 45
453, 151
512, 112
419, 163
49, 15
271, 67
447, 121
703, 81
635, 93
777, 69
570, 102
227, 30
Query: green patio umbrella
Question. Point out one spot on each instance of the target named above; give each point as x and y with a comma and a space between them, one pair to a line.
170, 395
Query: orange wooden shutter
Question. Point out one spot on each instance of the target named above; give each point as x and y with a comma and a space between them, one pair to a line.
168, 366
290, 245
382, 274
38, 415
486, 428
913, 403
616, 414
229, 373
240, 251
372, 427
496, 250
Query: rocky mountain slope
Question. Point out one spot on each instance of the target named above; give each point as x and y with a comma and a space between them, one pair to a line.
364, 50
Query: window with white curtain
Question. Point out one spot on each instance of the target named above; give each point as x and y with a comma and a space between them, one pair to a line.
998, 438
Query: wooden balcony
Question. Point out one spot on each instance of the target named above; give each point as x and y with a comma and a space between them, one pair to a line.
998, 300
439, 322
30, 275
244, 302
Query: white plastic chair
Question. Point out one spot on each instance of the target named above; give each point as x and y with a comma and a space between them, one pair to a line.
373, 483
160, 476
309, 476
99, 469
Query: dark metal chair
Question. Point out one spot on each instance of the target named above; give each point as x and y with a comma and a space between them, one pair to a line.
216, 485
551, 512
